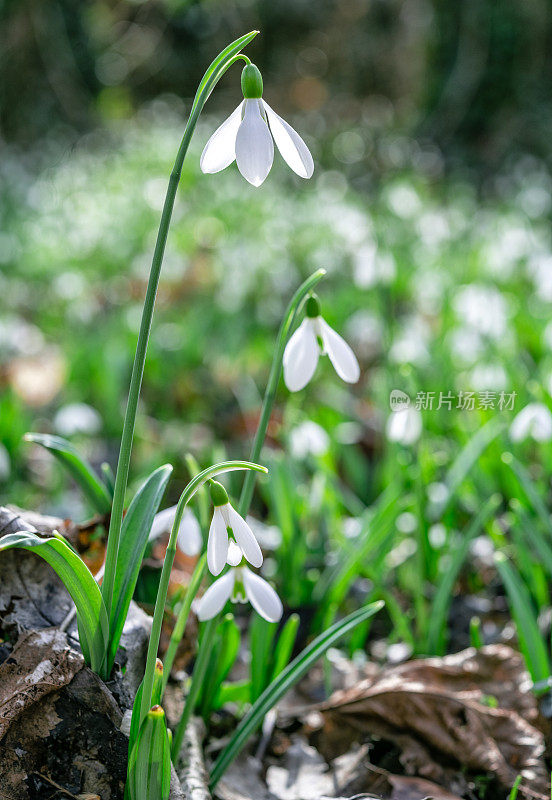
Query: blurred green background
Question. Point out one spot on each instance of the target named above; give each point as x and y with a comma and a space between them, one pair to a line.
429, 123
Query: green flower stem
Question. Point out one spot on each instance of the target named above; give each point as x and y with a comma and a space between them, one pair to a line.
216, 70
182, 618
272, 385
200, 668
188, 493
206, 644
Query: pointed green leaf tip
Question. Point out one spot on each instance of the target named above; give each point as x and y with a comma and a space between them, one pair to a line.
218, 493
251, 82
312, 306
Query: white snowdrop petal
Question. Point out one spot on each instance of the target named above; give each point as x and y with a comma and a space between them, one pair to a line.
340, 354
293, 149
262, 596
216, 596
162, 522
535, 421
217, 544
220, 150
301, 357
234, 554
404, 426
254, 145
245, 537
189, 534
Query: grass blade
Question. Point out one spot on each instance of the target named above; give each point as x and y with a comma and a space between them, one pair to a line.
531, 642
277, 689
435, 643
465, 460
284, 645
77, 466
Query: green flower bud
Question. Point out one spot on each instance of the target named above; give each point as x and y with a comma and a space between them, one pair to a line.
218, 493
312, 306
251, 82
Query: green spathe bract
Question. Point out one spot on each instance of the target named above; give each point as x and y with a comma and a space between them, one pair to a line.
218, 493
251, 82
150, 760
312, 306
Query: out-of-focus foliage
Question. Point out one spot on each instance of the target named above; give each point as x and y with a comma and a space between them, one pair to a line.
472, 77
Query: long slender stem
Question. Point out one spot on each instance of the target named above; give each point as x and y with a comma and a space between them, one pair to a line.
272, 384
212, 76
200, 669
188, 493
182, 618
247, 490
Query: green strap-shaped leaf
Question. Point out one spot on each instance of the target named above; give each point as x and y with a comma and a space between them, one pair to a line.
531, 641
134, 538
79, 582
77, 466
457, 555
277, 689
226, 55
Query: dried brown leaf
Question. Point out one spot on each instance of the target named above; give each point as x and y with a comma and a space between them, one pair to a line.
473, 711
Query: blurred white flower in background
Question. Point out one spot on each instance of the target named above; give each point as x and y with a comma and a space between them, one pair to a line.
77, 418
539, 269
534, 421
308, 439
189, 539
411, 344
404, 426
404, 201
488, 376
371, 267
365, 331
483, 308
5, 463
19, 337
466, 344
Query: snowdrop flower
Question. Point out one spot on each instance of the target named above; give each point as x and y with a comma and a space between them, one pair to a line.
227, 521
534, 421
404, 426
308, 438
247, 136
240, 585
314, 337
189, 539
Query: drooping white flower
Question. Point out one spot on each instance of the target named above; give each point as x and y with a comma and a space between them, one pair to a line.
314, 337
404, 426
77, 418
240, 584
248, 136
227, 521
308, 438
534, 421
189, 538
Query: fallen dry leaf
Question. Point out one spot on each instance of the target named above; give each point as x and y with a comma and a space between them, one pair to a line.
470, 711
